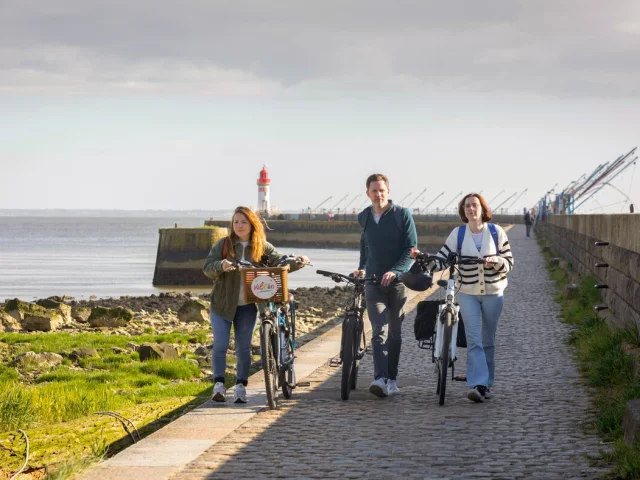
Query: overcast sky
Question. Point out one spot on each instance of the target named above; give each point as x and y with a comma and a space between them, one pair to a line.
178, 104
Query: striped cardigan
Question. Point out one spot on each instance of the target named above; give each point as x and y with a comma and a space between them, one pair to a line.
478, 279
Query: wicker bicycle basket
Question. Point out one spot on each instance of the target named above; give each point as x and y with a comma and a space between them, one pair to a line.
279, 274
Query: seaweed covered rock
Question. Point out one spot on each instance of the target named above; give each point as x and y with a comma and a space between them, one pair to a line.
81, 314
8, 323
194, 310
53, 304
110, 317
157, 351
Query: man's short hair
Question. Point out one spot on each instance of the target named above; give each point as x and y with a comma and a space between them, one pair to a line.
377, 177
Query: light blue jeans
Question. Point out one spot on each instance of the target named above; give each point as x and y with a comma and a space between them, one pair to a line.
481, 314
243, 323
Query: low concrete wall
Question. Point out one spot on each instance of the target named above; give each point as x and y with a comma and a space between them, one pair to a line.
574, 237
181, 254
350, 217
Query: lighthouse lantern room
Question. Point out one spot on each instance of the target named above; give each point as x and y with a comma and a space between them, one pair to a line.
264, 182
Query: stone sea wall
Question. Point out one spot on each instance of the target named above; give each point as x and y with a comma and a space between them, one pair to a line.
574, 237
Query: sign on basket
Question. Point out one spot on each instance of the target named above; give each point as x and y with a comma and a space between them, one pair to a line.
264, 286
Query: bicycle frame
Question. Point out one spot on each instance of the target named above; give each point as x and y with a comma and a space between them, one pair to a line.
449, 305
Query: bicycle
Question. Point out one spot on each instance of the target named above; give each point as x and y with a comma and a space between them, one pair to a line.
353, 343
268, 286
443, 349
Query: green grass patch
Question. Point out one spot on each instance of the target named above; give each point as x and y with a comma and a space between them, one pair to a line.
606, 366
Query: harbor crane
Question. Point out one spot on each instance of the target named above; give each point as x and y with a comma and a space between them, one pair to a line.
404, 198
452, 200
510, 197
338, 203
491, 201
322, 203
517, 198
417, 197
429, 204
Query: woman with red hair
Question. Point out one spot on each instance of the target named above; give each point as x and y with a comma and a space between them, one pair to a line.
247, 241
481, 287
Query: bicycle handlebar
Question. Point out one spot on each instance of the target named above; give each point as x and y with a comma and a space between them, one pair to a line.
339, 277
424, 258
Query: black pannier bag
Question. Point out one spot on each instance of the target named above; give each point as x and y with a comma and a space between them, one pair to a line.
461, 340
426, 316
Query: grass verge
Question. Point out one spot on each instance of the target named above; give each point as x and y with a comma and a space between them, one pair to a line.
607, 368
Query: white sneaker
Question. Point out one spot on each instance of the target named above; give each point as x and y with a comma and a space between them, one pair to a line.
240, 394
392, 387
379, 387
219, 392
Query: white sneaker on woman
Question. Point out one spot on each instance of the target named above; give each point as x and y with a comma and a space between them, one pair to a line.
240, 394
219, 392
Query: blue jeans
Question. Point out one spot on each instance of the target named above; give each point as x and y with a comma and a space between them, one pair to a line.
244, 322
385, 306
481, 314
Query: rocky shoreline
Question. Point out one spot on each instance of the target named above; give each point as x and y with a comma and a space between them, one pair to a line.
158, 314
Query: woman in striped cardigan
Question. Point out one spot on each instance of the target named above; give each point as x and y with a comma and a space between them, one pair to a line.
481, 288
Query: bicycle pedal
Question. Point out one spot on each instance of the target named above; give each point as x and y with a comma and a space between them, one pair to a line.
303, 384
460, 378
335, 362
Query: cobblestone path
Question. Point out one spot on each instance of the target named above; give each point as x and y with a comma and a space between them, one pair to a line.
532, 428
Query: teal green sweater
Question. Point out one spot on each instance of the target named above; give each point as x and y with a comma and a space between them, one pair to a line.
383, 246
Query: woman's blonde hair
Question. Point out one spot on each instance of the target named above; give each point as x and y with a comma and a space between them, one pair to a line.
257, 237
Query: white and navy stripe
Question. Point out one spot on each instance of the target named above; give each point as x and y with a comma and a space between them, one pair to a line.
477, 279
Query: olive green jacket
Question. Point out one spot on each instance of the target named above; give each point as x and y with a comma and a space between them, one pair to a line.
226, 285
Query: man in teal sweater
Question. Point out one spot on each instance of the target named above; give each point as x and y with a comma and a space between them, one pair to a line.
388, 235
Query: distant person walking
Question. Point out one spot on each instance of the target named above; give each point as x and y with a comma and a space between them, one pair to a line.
387, 238
481, 288
247, 241
528, 221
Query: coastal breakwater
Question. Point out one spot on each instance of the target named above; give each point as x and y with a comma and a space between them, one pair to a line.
181, 254
614, 260
182, 251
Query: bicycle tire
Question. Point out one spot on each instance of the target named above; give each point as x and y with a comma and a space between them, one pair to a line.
348, 355
269, 366
286, 370
444, 357
353, 379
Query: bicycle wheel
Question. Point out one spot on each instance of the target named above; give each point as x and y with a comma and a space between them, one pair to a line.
444, 357
353, 378
286, 369
348, 355
269, 365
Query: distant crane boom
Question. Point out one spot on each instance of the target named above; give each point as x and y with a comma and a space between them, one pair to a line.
322, 203
437, 197
417, 197
452, 200
510, 197
339, 202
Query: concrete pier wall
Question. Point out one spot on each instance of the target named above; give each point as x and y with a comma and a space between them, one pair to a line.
574, 237
181, 254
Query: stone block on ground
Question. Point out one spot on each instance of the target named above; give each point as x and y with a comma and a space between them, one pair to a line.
194, 310
110, 317
38, 359
157, 351
8, 323
571, 290
86, 352
81, 314
62, 308
554, 262
631, 422
32, 317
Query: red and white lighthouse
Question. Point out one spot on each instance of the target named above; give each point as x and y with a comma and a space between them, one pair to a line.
263, 191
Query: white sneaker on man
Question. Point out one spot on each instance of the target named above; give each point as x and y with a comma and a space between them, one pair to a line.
392, 387
219, 392
379, 387
240, 394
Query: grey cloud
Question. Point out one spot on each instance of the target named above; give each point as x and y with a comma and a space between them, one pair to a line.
546, 47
